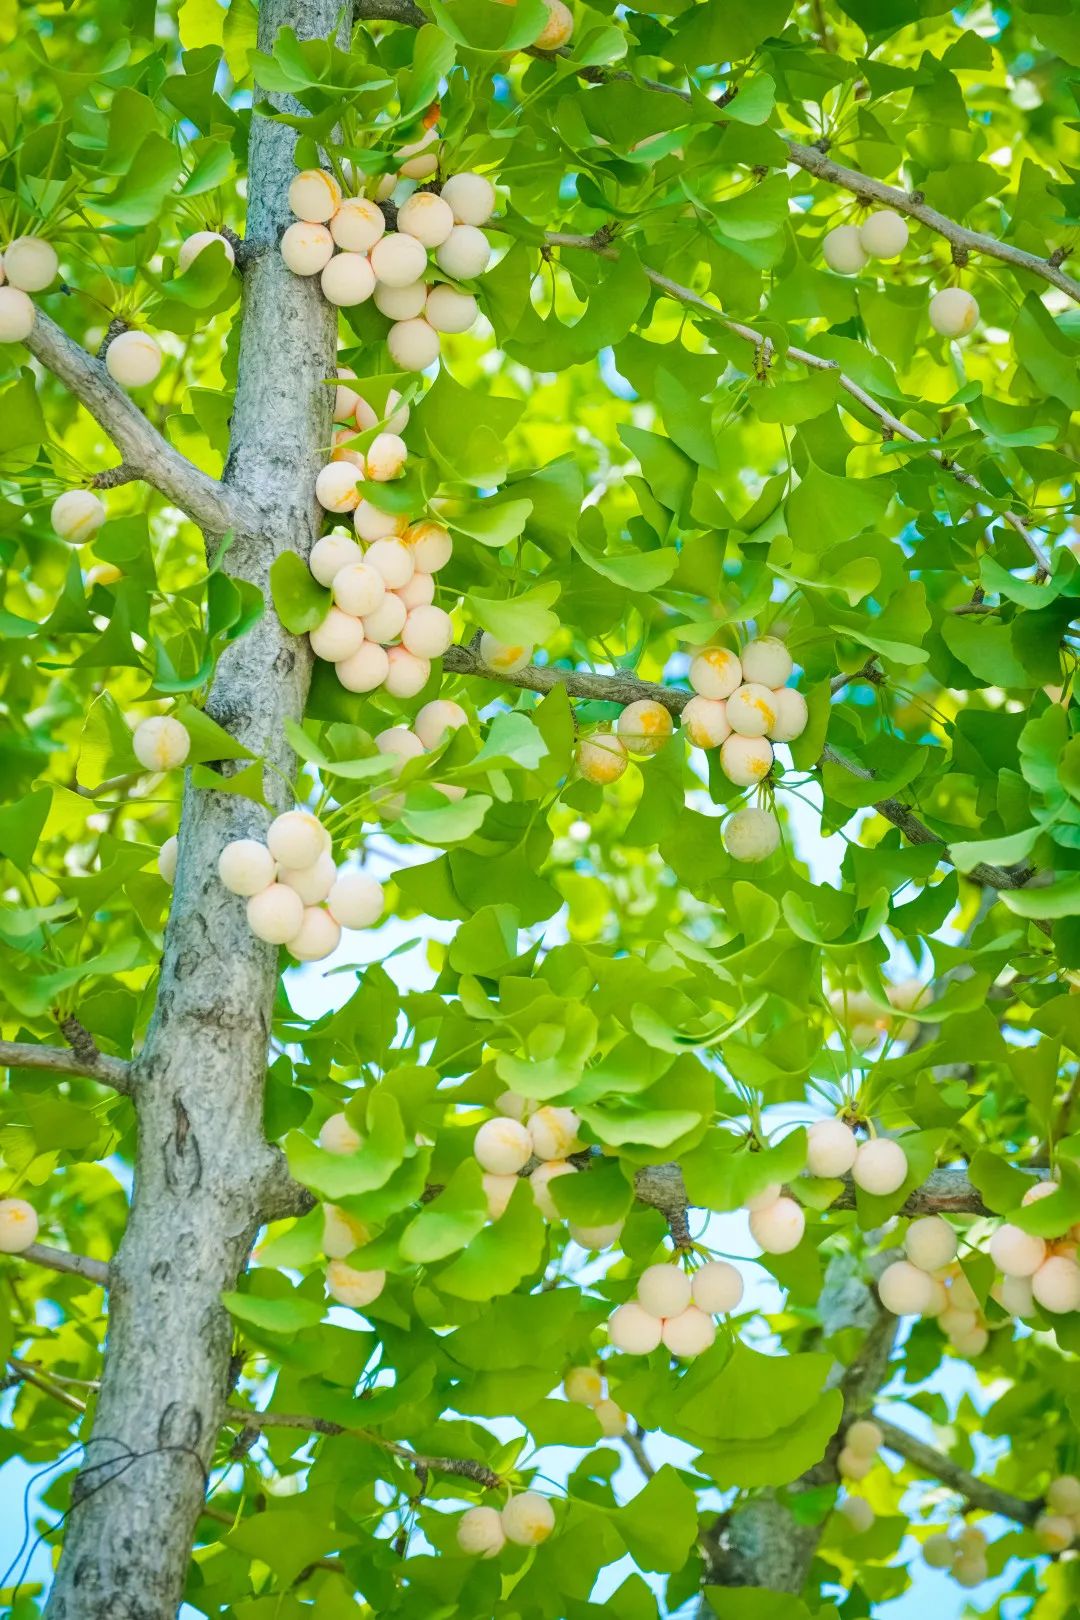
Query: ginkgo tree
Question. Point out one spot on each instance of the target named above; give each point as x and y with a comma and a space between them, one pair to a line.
577, 501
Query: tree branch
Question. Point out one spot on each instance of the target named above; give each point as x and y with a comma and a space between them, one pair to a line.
944, 1192
145, 452
88, 1062
75, 1265
911, 203
462, 1467
977, 1493
892, 424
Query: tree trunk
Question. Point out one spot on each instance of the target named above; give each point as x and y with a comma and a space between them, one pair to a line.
204, 1171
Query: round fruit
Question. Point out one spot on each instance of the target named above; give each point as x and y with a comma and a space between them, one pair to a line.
16, 315
346, 399
1056, 1285
398, 260
930, 1243
554, 1132
160, 743
30, 264
528, 1519
705, 722
969, 1572
307, 249
431, 546
830, 1148
427, 217
717, 1287
338, 637
406, 675
342, 1232
347, 280
1015, 1296
342, 442
312, 883
502, 1146
371, 524
715, 673
644, 726
880, 1166
953, 312
316, 937
663, 1290
938, 1552
843, 251
751, 835
540, 1181
448, 310
611, 1418
778, 1228
751, 711
76, 515
1015, 1252
596, 1237
470, 197
330, 555
465, 253
355, 900
18, 1225
421, 157
884, 234
133, 359
858, 1513
358, 589
387, 621
275, 913
246, 867
1054, 1532
358, 225
633, 1330
765, 1198
338, 1136
396, 415
401, 303
166, 860
766, 662
601, 758
690, 1333
480, 1532
1063, 1495
413, 345
314, 195
905, 1290
1041, 1189
513, 1105
864, 1436
297, 838
355, 1288
386, 457
746, 760
504, 659
853, 1464
400, 744
437, 720
498, 1191
194, 245
365, 670
791, 714
336, 487
558, 29
584, 1386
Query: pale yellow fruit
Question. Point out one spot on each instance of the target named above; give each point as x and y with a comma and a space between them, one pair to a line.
419, 159
938, 1552
413, 345
717, 1287
831, 1147
528, 1519
76, 515
884, 234
398, 260
161, 743
338, 1136
1041, 1189
465, 254
930, 1243
18, 1225
30, 264
1056, 1285
843, 251
246, 867
406, 674
584, 1386
306, 249
1063, 1495
342, 1233
705, 722
558, 29
904, 1290
275, 913
596, 1237
336, 486
1015, 1252
863, 1436
688, 1334
386, 623
1015, 1296
399, 744
347, 280
554, 1132
354, 1288
166, 860
342, 450
437, 720
346, 399
133, 359
644, 726
427, 217
447, 310
355, 900
633, 1330
766, 662
751, 834
1054, 1532
663, 1290
792, 715
502, 1146
104, 574
602, 758
880, 1166
386, 457
365, 670
779, 1227
858, 1513
540, 1181
331, 554
296, 838
765, 1198
751, 711
502, 657
498, 1191
194, 245
480, 1532
314, 195
317, 936
431, 545
853, 1464
746, 760
16, 315
611, 1418
970, 1571
953, 312
358, 225
358, 589
419, 592
338, 637
400, 303
470, 197
371, 524
715, 673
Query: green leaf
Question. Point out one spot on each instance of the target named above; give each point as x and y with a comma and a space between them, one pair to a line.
502, 1255
300, 601
450, 1221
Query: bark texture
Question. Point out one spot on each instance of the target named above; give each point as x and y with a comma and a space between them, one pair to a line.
205, 1174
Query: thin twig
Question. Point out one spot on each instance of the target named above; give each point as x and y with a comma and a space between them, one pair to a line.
92, 1065
462, 1467
976, 1492
75, 1265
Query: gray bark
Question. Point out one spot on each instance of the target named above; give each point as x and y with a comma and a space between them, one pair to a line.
205, 1175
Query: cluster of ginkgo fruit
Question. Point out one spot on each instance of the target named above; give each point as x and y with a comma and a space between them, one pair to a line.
675, 1308
504, 1146
884, 234
346, 242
